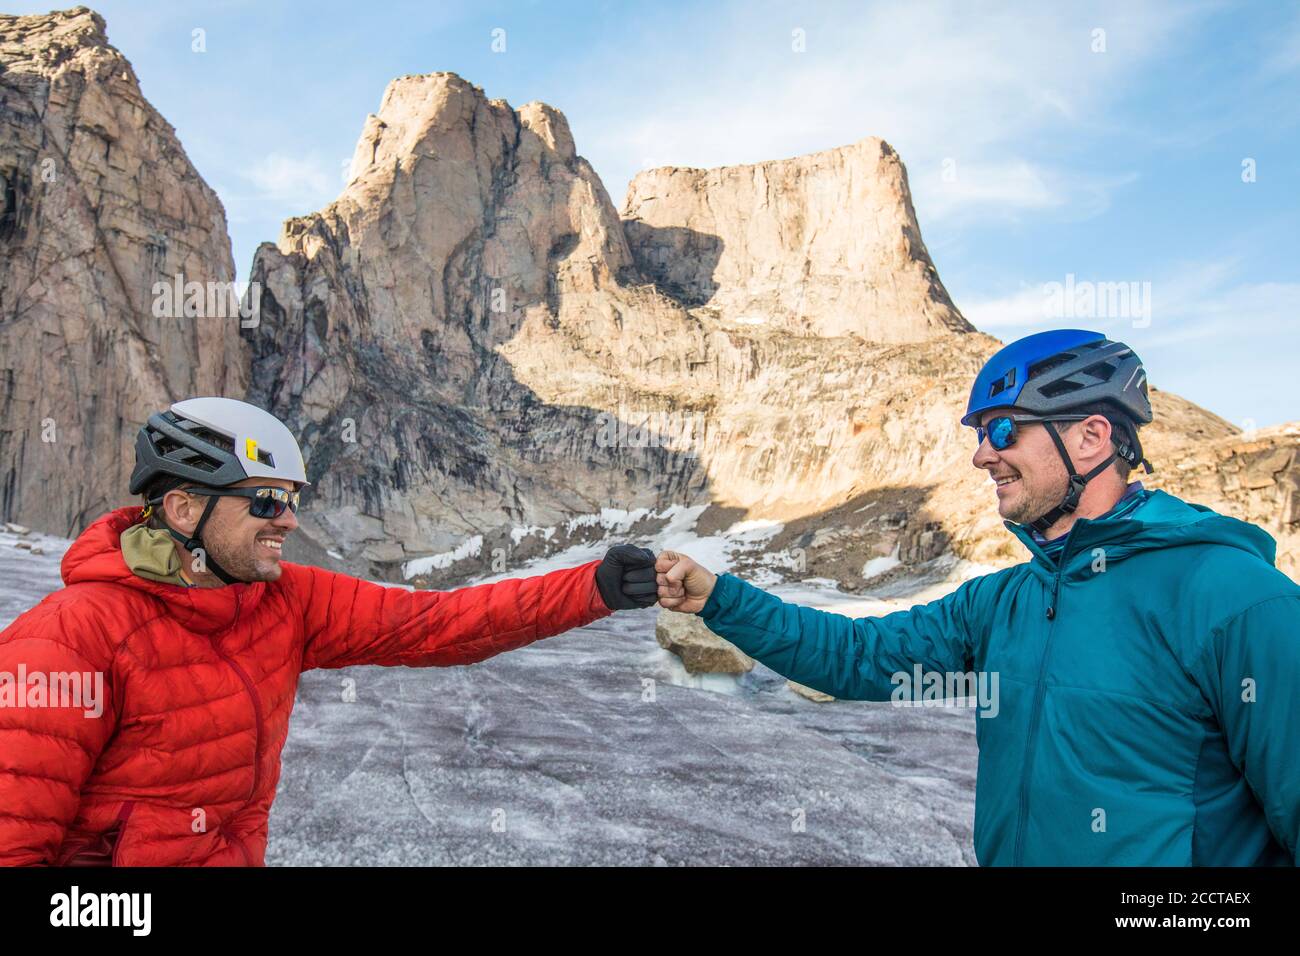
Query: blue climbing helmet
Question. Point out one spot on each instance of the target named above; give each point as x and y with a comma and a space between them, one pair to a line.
1068, 371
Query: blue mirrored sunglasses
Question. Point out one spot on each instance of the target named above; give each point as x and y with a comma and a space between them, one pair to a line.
1001, 431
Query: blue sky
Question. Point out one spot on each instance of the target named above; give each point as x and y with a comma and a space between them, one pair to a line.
1037, 147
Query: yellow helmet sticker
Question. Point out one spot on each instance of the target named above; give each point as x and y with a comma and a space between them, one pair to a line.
250, 449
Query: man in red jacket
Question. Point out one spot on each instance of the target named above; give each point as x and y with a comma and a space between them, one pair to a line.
143, 707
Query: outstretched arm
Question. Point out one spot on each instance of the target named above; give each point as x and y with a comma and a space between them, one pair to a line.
846, 658
350, 621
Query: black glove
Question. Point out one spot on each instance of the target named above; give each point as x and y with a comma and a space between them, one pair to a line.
626, 578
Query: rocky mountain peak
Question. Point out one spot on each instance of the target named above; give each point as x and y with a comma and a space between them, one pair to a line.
824, 244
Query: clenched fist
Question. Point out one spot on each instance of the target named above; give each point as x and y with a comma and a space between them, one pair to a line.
626, 578
684, 585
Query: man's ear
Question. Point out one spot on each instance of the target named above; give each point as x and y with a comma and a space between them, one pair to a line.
182, 510
1094, 433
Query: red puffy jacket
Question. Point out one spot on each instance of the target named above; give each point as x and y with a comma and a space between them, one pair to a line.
198, 684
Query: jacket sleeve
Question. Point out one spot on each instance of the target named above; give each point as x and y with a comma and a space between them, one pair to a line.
1249, 671
46, 751
846, 658
350, 621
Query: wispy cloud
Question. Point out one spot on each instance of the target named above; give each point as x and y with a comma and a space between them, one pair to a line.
1196, 301
1208, 334
980, 86
1018, 311
1010, 189
1285, 55
1011, 186
307, 180
1258, 312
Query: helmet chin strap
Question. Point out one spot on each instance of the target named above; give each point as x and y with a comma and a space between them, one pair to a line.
194, 542
1077, 484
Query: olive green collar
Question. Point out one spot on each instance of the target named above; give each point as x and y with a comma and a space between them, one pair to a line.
151, 553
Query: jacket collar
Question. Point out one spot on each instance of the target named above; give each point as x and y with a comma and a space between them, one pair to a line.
96, 556
1163, 521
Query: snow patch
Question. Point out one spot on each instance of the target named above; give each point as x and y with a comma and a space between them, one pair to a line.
467, 549
518, 534
613, 520
878, 566
758, 529
568, 558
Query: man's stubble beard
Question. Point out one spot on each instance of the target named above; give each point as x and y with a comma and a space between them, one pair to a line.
236, 560
1034, 504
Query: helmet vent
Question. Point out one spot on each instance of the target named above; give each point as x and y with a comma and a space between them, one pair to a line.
195, 459
1047, 364
1102, 371
172, 450
1002, 384
1063, 387
214, 438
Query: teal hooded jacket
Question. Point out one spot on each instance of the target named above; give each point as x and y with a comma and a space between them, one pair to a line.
1147, 706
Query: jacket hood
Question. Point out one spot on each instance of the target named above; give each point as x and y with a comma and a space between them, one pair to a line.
96, 557
1162, 521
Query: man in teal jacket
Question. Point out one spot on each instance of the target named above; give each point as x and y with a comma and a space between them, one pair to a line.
1147, 656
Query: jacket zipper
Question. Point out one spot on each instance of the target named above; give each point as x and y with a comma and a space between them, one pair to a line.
120, 823
1053, 612
257, 714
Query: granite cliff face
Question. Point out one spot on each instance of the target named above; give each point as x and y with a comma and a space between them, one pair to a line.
825, 244
99, 203
486, 363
